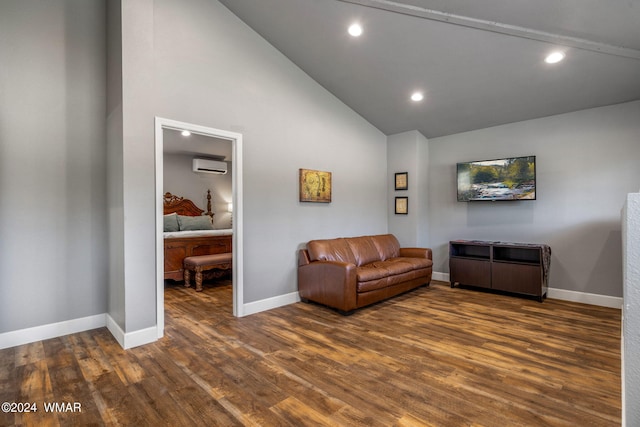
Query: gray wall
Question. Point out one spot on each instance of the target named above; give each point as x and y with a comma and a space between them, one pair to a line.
587, 162
209, 68
180, 180
115, 154
52, 167
631, 310
137, 165
409, 152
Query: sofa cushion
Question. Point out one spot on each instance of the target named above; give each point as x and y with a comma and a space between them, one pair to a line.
381, 274
364, 250
331, 250
401, 278
369, 272
394, 266
372, 285
388, 246
414, 262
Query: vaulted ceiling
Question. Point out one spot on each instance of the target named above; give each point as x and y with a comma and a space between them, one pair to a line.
478, 63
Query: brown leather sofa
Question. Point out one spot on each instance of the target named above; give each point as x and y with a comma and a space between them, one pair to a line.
349, 273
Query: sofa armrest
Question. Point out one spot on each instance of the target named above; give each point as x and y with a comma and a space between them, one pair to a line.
416, 253
330, 283
303, 258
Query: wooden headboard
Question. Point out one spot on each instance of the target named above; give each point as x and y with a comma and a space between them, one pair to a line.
182, 206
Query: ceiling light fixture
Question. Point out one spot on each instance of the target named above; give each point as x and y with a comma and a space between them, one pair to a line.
186, 133
554, 57
417, 96
355, 30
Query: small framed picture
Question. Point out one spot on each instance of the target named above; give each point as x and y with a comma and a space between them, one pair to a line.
315, 186
402, 180
402, 205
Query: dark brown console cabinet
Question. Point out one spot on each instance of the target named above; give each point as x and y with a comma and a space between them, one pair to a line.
520, 268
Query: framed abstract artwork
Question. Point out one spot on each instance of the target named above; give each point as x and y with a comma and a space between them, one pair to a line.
315, 186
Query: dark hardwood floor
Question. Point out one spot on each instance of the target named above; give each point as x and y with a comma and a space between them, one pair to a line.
435, 356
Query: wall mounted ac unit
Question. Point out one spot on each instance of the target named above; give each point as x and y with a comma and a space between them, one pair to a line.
209, 166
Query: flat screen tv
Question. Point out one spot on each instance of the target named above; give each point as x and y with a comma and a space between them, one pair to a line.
511, 178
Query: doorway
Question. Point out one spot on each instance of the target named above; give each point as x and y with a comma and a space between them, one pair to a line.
162, 124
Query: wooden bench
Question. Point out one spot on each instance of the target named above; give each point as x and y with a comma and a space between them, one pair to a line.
202, 263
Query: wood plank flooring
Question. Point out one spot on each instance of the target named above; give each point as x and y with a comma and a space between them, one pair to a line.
435, 356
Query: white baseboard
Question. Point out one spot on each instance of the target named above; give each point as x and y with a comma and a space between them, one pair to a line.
585, 298
115, 330
129, 340
443, 277
52, 330
563, 294
269, 303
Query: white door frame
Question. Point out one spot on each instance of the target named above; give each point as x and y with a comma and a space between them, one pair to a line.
236, 190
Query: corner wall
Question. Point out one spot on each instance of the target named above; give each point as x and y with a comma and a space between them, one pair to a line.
138, 167
52, 167
114, 159
409, 152
631, 310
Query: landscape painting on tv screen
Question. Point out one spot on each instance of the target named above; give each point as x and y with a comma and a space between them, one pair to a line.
501, 179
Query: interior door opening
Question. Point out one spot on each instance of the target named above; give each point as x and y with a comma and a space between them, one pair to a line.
179, 150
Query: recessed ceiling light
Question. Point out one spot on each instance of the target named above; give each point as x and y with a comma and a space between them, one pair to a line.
554, 57
355, 30
417, 96
186, 133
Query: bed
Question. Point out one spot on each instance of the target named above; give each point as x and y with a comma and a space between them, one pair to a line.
189, 234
